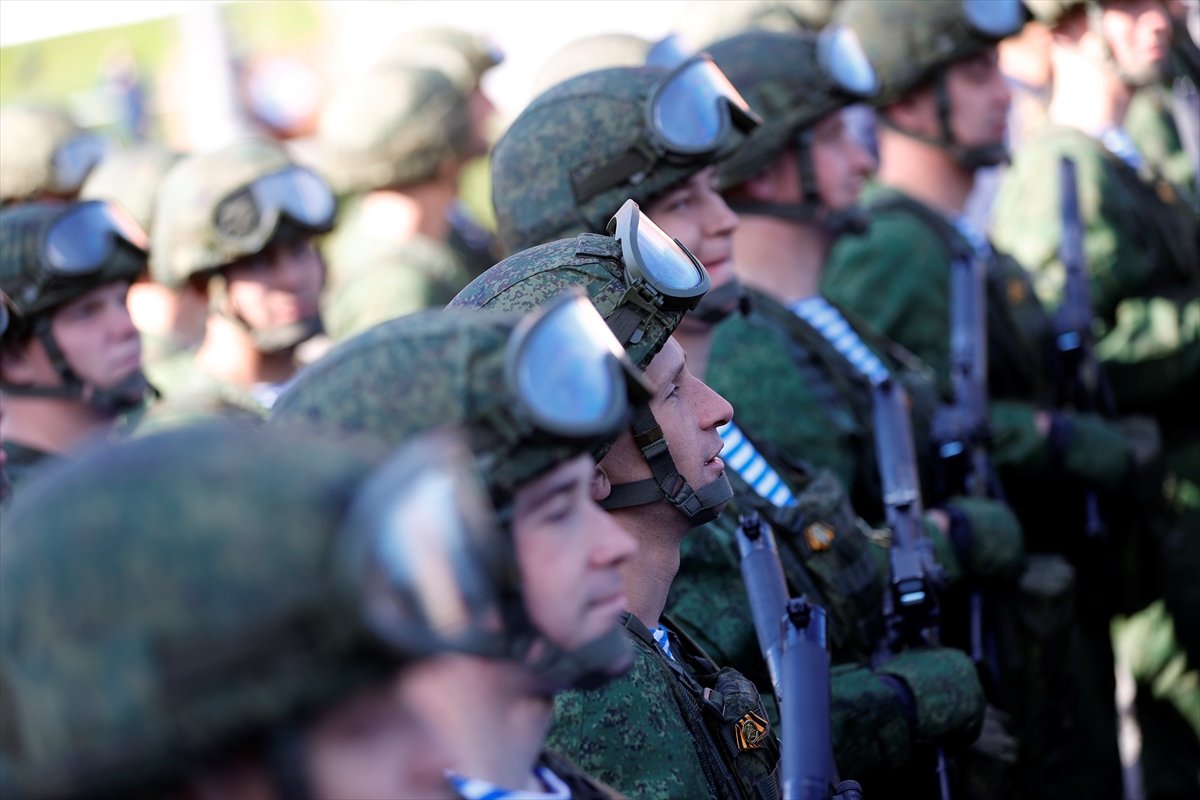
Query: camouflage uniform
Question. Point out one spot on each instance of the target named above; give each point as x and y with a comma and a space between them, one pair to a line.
1142, 246
396, 126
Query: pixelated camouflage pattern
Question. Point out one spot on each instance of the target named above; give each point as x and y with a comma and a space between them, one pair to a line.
424, 371
647, 734
522, 282
781, 79
202, 621
567, 133
29, 137
463, 56
373, 277
131, 177
185, 242
908, 41
394, 126
22, 263
591, 53
702, 22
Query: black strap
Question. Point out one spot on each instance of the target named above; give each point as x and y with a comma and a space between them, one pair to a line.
286, 764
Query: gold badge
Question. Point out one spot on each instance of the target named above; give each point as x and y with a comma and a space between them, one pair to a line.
1017, 291
819, 536
750, 731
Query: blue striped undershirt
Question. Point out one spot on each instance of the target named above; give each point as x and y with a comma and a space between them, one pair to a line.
829, 322
475, 789
740, 455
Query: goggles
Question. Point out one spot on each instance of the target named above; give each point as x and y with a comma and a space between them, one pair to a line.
74, 160
81, 241
657, 267
841, 56
421, 547
693, 110
250, 215
994, 19
568, 374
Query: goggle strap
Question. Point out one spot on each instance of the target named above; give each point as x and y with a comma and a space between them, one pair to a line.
592, 180
72, 386
625, 324
628, 495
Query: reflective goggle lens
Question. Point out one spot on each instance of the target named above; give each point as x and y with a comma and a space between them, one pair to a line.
654, 258
252, 212
81, 240
842, 57
75, 159
693, 108
567, 371
995, 18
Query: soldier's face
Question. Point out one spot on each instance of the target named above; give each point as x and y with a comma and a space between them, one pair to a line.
1138, 33
696, 214
96, 336
279, 286
979, 100
373, 746
840, 162
570, 552
688, 411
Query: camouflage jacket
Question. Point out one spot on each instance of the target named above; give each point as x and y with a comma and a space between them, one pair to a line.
793, 390
189, 394
1142, 245
375, 277
23, 461
669, 728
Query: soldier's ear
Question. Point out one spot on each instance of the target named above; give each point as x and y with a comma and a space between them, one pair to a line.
601, 485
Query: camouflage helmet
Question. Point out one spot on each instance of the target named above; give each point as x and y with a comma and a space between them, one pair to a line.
207, 624
703, 22
590, 54
394, 126
461, 55
43, 153
207, 214
53, 253
793, 80
131, 177
911, 41
612, 271
586, 146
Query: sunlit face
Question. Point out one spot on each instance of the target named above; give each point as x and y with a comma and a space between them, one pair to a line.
979, 100
840, 163
97, 338
689, 412
279, 286
570, 552
374, 747
696, 214
1138, 33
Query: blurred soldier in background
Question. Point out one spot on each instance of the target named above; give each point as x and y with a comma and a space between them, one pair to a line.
170, 321
44, 155
393, 143
544, 616
70, 358
155, 642
1141, 240
237, 225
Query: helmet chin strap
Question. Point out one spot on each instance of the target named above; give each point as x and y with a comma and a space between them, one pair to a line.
122, 397
269, 341
697, 506
719, 303
969, 158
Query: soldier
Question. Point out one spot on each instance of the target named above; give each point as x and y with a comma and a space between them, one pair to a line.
393, 144
170, 321
239, 644
70, 359
237, 225
44, 155
1141, 244
870, 729
515, 386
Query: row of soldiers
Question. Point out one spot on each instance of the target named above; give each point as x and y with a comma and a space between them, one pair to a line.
501, 549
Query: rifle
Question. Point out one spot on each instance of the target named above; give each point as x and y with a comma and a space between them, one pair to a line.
911, 605
1081, 381
792, 640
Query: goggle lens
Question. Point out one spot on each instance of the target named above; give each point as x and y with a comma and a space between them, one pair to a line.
995, 18
842, 57
75, 159
692, 110
81, 240
251, 213
655, 259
